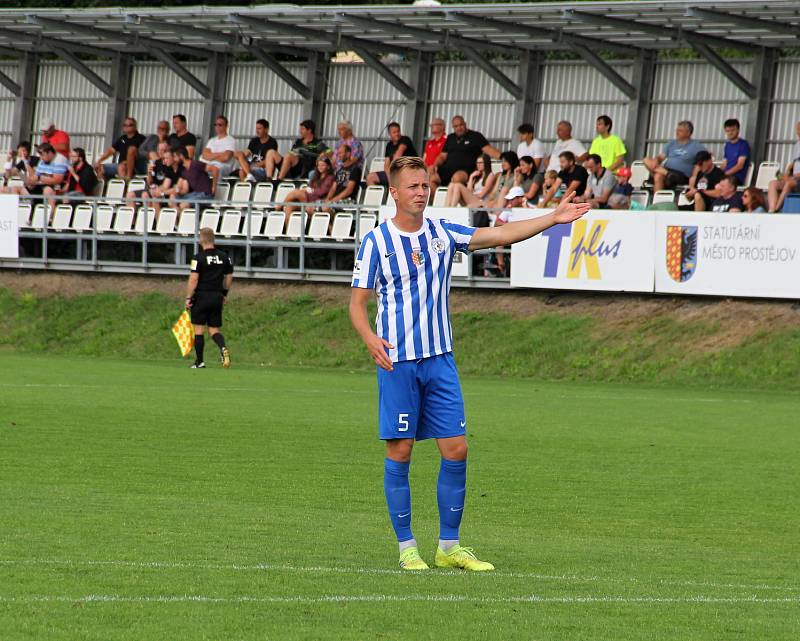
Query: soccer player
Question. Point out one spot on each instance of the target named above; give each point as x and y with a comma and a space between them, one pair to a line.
206, 293
408, 261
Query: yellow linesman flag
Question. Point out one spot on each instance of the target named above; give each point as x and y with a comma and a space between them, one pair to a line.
183, 332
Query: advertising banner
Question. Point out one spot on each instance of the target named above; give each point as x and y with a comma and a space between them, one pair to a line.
604, 250
9, 226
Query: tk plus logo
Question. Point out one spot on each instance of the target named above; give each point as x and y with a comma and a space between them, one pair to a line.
587, 246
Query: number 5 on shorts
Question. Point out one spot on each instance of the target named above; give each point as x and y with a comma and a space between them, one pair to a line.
402, 420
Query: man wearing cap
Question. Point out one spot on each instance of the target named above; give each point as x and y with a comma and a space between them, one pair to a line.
59, 139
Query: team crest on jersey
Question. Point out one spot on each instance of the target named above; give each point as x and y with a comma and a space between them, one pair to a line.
417, 257
437, 245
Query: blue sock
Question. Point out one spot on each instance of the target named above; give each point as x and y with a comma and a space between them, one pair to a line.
398, 497
450, 492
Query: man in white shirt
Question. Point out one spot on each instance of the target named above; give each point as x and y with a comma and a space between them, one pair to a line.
530, 146
565, 142
219, 152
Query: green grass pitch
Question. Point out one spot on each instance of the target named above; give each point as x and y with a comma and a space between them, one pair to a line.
142, 500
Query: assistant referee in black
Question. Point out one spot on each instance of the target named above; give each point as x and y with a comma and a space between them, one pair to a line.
206, 293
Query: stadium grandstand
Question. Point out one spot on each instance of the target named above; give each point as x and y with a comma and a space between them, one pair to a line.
522, 77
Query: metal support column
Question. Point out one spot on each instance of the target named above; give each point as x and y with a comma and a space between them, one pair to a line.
529, 78
317, 79
639, 106
756, 129
415, 123
117, 108
216, 80
22, 122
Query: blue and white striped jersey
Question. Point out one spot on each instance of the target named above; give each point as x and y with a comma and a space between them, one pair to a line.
411, 275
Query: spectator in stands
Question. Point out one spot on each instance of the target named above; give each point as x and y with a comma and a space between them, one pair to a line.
398, 146
550, 178
50, 171
703, 184
301, 159
194, 183
565, 142
149, 148
509, 162
530, 146
525, 176
162, 178
461, 149
673, 166
319, 186
729, 199
346, 179
620, 197
252, 163
20, 162
753, 201
479, 188
737, 152
129, 160
513, 199
782, 186
346, 137
181, 136
572, 175
608, 146
81, 179
218, 153
59, 139
599, 185
434, 146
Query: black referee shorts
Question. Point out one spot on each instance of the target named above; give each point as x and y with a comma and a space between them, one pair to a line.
207, 309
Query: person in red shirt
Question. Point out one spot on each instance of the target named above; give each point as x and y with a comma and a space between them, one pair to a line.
59, 139
434, 145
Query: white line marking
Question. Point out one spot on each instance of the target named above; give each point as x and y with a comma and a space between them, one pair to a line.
267, 567
383, 598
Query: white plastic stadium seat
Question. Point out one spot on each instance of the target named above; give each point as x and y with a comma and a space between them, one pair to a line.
99, 187
274, 226
223, 188
440, 197
210, 218
62, 217
377, 164
683, 201
262, 195
749, 177
319, 226
231, 220
297, 222
373, 196
150, 214
641, 196
664, 196
256, 221
40, 215
342, 225
166, 221
105, 214
115, 189
15, 181
136, 184
366, 223
23, 214
82, 218
186, 222
241, 193
282, 191
497, 166
639, 174
767, 171
123, 221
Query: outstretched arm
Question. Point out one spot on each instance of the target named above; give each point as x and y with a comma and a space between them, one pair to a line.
514, 232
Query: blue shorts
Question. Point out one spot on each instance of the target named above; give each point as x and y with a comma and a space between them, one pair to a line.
421, 399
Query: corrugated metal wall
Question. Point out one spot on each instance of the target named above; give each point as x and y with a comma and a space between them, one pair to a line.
76, 105
461, 88
358, 94
785, 111
156, 93
573, 91
693, 90
255, 92
7, 110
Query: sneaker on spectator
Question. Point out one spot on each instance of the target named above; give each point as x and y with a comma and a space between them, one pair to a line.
250, 178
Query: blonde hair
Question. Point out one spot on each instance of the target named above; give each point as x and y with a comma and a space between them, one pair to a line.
346, 125
552, 174
206, 236
403, 163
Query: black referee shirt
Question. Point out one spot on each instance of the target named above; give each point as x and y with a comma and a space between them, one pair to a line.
212, 265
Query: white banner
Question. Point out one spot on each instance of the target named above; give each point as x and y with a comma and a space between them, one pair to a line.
9, 226
728, 254
605, 250
458, 215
